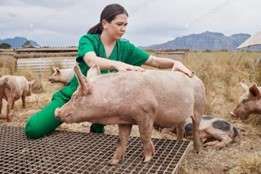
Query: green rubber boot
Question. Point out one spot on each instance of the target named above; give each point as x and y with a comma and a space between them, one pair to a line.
97, 128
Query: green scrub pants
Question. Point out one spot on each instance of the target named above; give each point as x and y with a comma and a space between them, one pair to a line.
44, 122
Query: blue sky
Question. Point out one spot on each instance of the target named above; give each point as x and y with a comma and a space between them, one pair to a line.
62, 22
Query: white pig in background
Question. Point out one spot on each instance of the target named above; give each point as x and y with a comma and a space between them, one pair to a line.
61, 75
13, 88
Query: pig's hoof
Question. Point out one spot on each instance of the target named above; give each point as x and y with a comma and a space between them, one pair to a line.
147, 159
114, 162
196, 151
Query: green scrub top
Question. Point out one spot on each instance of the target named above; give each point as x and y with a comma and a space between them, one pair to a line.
123, 51
44, 122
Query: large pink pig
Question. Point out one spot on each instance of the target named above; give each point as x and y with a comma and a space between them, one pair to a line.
152, 97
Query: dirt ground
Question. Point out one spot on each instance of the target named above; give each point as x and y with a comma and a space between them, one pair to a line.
239, 157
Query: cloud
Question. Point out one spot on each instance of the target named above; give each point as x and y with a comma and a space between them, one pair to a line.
50, 4
150, 21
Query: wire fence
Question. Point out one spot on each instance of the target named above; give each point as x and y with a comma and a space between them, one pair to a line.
44, 64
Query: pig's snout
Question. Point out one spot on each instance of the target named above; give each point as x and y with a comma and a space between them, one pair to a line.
62, 115
57, 114
50, 80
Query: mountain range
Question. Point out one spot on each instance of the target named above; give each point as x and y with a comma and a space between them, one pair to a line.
17, 42
213, 41
205, 41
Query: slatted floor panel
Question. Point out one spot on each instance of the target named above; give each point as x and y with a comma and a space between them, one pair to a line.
72, 152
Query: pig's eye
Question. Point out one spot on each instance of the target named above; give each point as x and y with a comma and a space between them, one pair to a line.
77, 96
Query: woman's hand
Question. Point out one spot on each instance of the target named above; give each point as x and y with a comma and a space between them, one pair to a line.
178, 66
123, 67
162, 63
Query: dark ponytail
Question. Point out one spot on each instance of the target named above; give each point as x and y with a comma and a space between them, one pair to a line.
108, 13
97, 29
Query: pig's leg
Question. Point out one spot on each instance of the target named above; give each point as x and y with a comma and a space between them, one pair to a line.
23, 101
145, 129
211, 143
8, 110
212, 133
203, 135
222, 138
12, 101
225, 141
219, 144
124, 133
195, 132
1, 104
180, 131
12, 106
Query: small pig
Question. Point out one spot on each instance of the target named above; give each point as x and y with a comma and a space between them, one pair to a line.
61, 75
11, 89
250, 102
213, 128
148, 98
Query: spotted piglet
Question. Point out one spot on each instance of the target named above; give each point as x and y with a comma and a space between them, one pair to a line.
214, 131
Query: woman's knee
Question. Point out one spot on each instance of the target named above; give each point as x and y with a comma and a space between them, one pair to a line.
32, 129
43, 122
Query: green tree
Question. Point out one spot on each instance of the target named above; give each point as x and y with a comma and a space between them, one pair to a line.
28, 44
5, 45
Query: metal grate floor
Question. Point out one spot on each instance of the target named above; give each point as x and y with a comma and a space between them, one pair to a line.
71, 152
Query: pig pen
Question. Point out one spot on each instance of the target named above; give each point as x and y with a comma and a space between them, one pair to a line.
223, 93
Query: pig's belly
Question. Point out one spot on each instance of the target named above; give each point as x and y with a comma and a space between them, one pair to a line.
169, 119
113, 120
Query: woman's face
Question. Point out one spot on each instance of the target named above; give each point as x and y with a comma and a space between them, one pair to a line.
117, 27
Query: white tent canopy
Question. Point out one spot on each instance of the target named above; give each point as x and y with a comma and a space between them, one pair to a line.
253, 40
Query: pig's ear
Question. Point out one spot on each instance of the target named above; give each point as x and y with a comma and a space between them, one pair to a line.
54, 69
254, 91
244, 86
3, 80
93, 71
58, 70
81, 80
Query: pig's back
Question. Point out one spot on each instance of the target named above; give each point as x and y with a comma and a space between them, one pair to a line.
17, 83
172, 89
178, 96
166, 86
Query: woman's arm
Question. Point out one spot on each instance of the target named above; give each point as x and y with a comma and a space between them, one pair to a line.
91, 59
163, 63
